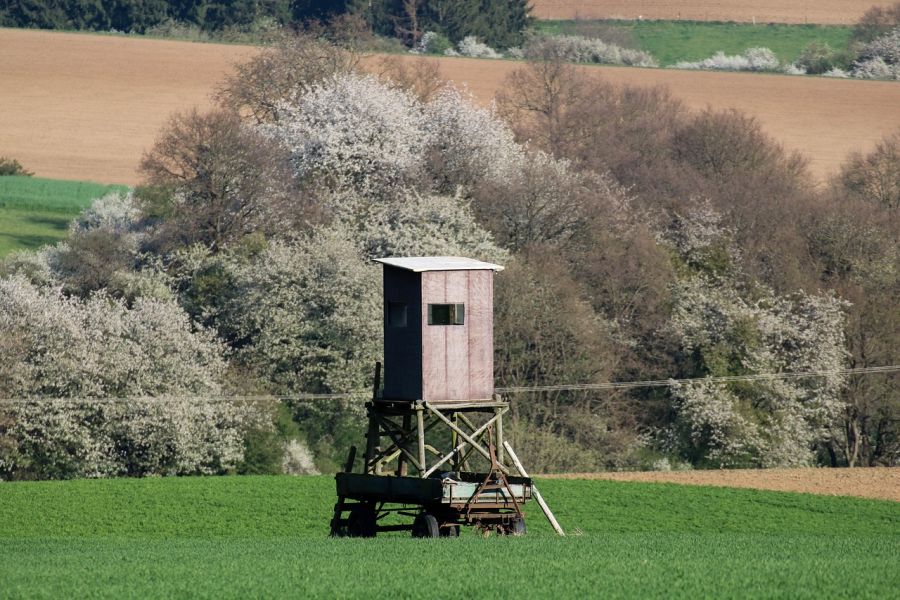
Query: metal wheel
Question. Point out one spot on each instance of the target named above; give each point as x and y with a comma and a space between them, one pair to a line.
425, 526
362, 521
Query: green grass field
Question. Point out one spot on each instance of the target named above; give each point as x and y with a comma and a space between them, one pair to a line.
267, 536
35, 211
673, 41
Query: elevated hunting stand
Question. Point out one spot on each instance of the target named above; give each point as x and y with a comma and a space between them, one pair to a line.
434, 445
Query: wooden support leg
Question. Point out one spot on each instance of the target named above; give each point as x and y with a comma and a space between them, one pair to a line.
372, 440
499, 429
454, 442
420, 426
401, 460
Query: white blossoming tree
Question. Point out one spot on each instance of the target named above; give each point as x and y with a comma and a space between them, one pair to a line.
728, 327
62, 355
354, 132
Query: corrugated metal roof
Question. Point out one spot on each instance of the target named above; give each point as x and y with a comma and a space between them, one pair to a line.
438, 263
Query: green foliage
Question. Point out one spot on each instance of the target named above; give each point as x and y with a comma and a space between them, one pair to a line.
498, 23
170, 537
818, 57
674, 41
36, 211
10, 166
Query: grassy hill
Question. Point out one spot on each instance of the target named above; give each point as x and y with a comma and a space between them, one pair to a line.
36, 211
267, 536
673, 41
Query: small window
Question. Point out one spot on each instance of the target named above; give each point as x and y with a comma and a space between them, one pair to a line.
397, 314
446, 314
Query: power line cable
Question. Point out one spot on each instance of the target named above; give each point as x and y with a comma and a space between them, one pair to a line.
366, 394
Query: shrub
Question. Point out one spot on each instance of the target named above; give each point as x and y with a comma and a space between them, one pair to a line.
575, 48
466, 143
281, 73
886, 47
875, 68
817, 58
213, 180
753, 59
10, 166
837, 73
433, 43
470, 46
880, 58
162, 371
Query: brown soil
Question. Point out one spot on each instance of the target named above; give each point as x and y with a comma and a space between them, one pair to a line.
825, 119
79, 106
86, 106
824, 12
883, 482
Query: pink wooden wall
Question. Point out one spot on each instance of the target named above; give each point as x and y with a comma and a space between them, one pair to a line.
458, 360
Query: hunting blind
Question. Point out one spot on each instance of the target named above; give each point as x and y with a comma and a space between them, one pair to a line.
437, 415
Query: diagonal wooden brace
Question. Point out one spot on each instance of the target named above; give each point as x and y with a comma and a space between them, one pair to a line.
468, 438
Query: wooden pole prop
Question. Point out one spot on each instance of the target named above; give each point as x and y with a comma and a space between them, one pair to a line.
537, 494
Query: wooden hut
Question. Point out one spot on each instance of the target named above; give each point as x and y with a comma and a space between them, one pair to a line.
438, 329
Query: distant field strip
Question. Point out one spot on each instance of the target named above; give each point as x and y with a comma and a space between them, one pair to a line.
87, 106
35, 211
825, 12
873, 482
673, 41
238, 537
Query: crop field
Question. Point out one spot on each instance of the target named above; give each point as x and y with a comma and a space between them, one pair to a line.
840, 12
87, 107
875, 482
35, 211
673, 41
267, 536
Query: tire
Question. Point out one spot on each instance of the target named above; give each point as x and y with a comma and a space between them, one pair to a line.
426, 526
452, 531
362, 521
517, 528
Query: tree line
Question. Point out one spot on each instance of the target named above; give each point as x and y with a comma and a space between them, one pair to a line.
642, 241
500, 23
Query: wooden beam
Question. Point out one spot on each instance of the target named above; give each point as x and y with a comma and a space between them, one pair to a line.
462, 445
537, 494
464, 435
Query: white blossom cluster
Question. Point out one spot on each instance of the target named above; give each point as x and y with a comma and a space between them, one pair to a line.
875, 68
58, 347
765, 423
416, 224
729, 327
360, 134
353, 130
115, 212
880, 58
576, 48
471, 142
470, 47
753, 59
308, 313
700, 238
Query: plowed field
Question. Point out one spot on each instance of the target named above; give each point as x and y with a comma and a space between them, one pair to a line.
80, 106
881, 483
823, 12
86, 107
